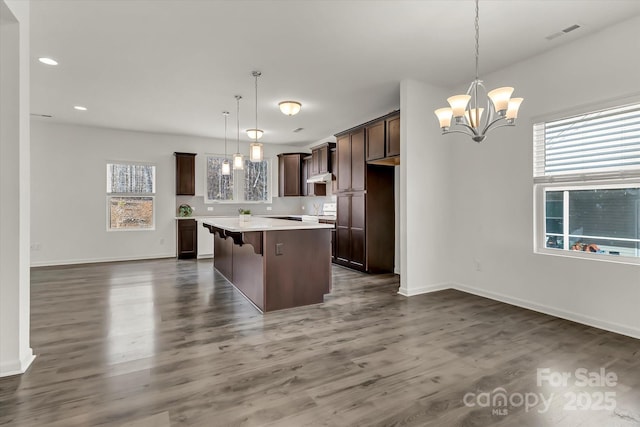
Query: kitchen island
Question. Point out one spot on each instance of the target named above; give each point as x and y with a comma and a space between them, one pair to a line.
275, 263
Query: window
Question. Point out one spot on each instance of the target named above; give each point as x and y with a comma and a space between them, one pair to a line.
252, 184
587, 185
130, 196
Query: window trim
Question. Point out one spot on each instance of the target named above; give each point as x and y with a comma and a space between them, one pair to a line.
539, 218
110, 195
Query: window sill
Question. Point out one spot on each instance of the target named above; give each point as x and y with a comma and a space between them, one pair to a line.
616, 259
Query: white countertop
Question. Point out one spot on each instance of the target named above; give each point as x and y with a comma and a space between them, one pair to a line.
258, 223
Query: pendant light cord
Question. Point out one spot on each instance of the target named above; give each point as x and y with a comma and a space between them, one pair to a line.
226, 114
256, 74
238, 98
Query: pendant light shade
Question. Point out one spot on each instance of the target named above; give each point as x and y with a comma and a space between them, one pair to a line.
238, 159
226, 167
255, 150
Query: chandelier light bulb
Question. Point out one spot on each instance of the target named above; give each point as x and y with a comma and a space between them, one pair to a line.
444, 116
512, 109
500, 97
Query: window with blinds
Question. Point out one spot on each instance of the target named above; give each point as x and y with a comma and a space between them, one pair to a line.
586, 175
131, 189
605, 142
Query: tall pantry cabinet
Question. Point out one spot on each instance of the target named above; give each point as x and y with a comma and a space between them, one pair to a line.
365, 202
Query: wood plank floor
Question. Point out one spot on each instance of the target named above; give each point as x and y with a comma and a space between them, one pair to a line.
171, 343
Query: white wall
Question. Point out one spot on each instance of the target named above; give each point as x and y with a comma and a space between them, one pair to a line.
15, 353
425, 193
68, 164
492, 230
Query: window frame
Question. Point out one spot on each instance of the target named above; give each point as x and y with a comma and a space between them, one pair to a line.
605, 179
239, 183
540, 233
111, 195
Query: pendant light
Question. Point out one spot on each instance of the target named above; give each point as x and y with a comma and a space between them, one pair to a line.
255, 149
226, 167
238, 159
502, 110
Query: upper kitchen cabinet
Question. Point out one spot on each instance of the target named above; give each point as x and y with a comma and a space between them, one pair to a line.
393, 136
351, 161
290, 173
321, 158
375, 141
383, 140
185, 174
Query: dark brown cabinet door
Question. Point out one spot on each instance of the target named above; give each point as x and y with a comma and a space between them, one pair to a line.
334, 169
358, 162
393, 136
375, 141
290, 174
185, 174
187, 238
323, 159
307, 189
350, 230
344, 163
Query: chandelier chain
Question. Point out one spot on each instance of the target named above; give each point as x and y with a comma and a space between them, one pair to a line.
477, 37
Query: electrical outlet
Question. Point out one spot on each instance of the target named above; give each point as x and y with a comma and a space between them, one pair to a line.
269, 208
279, 248
210, 208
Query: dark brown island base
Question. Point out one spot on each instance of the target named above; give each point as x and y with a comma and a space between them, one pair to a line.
275, 263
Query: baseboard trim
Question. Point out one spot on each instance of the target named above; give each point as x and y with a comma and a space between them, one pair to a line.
423, 289
17, 367
98, 260
552, 311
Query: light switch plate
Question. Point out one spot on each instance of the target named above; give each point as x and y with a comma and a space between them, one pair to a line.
279, 248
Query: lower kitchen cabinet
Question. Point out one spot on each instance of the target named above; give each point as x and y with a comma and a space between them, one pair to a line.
187, 238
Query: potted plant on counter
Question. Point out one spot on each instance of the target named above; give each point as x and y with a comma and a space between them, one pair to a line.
245, 215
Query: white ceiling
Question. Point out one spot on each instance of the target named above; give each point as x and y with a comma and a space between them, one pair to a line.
173, 66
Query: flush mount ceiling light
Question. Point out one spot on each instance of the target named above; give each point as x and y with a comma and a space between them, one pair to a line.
226, 167
254, 133
255, 149
290, 108
238, 158
502, 110
80, 108
48, 61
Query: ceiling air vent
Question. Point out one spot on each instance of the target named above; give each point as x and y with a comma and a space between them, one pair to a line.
48, 116
571, 28
297, 130
563, 32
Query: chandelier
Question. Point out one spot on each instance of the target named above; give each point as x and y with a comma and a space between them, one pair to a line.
502, 110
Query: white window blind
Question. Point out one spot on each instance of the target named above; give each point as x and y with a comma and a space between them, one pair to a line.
590, 145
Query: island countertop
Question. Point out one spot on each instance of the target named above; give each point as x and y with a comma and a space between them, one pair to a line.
256, 223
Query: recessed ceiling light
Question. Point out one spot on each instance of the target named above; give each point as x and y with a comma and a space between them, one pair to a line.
48, 61
80, 108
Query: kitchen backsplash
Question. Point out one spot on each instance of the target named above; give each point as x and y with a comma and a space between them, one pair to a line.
279, 205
